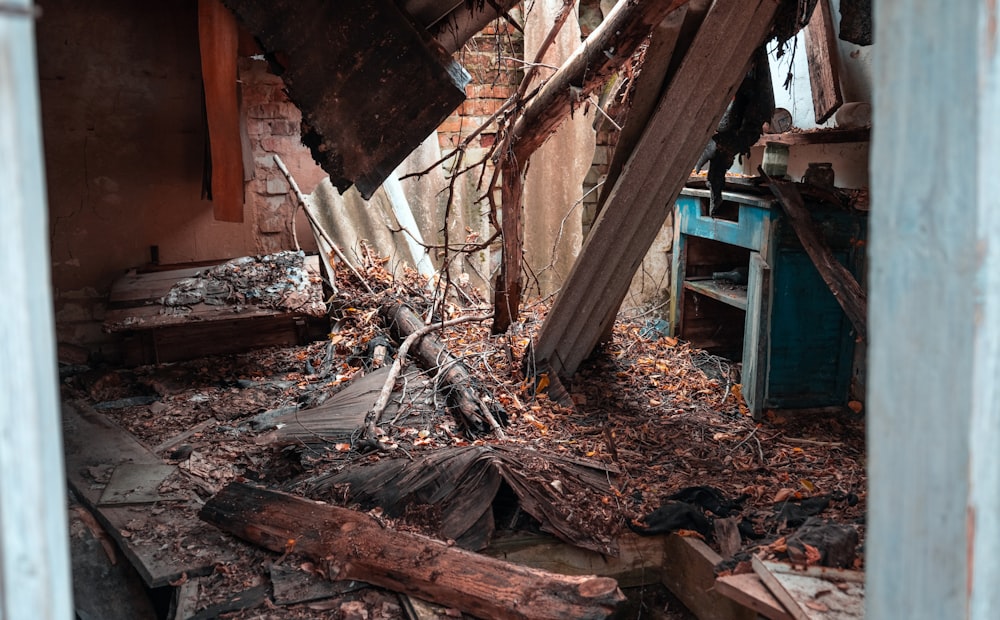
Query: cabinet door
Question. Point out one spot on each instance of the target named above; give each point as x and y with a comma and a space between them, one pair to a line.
756, 331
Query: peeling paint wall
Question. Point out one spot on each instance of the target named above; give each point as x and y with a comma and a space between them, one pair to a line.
553, 189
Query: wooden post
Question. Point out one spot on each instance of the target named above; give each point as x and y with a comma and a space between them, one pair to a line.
34, 549
934, 286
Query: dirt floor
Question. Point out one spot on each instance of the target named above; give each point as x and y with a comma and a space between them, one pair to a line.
667, 416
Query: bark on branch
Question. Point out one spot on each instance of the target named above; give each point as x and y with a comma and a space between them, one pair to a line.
354, 546
593, 63
478, 410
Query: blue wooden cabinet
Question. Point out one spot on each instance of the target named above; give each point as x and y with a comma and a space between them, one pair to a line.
795, 343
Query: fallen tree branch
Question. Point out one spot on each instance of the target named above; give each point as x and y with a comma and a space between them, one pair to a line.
477, 413
590, 66
354, 546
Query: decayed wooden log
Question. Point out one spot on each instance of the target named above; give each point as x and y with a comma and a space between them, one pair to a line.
843, 285
479, 411
353, 545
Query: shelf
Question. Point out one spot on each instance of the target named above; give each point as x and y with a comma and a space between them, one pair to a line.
726, 292
817, 136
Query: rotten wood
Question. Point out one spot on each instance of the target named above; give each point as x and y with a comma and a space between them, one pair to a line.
640, 201
591, 66
822, 57
638, 562
818, 136
93, 443
843, 285
353, 545
346, 66
479, 411
218, 36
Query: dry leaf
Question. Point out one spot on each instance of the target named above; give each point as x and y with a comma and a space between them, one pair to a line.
816, 606
782, 495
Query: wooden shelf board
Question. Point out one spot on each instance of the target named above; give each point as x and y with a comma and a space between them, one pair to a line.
819, 136
731, 294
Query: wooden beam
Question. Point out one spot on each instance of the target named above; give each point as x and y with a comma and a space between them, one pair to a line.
934, 278
638, 563
34, 552
644, 195
824, 63
748, 590
353, 545
649, 85
843, 285
465, 21
218, 37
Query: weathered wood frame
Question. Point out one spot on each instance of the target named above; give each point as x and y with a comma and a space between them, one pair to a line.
934, 281
34, 538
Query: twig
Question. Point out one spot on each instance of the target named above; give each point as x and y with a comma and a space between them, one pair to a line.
371, 418
813, 442
302, 203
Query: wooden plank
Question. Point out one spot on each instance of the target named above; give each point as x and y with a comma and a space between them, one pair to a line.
748, 590
933, 422
346, 65
823, 62
638, 562
731, 295
218, 37
139, 288
689, 572
822, 57
353, 545
818, 136
776, 588
689, 111
843, 285
103, 587
93, 442
756, 335
34, 549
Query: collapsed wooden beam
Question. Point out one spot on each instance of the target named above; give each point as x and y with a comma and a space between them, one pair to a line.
645, 192
843, 285
354, 546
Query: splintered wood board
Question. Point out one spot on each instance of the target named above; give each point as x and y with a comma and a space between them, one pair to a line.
748, 590
638, 562
821, 593
93, 442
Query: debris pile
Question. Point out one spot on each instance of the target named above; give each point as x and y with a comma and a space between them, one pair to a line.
648, 424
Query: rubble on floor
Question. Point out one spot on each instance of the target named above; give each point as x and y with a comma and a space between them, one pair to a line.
644, 420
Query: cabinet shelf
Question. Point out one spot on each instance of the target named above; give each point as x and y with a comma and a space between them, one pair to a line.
728, 293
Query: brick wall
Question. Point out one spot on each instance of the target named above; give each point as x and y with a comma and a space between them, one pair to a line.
489, 57
272, 123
